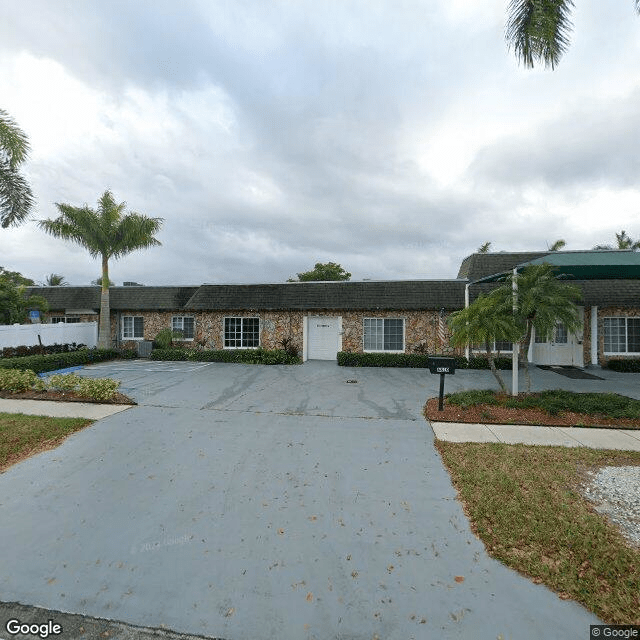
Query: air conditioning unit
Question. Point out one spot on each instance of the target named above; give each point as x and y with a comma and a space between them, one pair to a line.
144, 348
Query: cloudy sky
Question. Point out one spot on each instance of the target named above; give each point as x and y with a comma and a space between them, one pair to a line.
391, 136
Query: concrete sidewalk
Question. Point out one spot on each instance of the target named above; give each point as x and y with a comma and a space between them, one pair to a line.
593, 438
61, 409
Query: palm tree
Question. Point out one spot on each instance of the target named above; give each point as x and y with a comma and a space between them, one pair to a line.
487, 319
107, 233
623, 241
55, 280
542, 302
484, 248
538, 30
16, 198
558, 245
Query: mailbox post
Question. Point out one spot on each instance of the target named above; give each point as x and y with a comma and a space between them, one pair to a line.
443, 366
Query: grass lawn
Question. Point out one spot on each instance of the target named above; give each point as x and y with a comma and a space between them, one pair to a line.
524, 504
22, 436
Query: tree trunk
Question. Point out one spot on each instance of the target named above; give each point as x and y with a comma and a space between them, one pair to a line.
524, 354
104, 328
494, 370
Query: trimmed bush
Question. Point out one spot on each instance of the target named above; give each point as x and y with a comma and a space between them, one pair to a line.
16, 380
630, 365
100, 389
40, 364
64, 381
482, 362
404, 360
23, 350
245, 356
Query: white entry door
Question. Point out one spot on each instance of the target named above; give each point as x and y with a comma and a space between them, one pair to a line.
323, 337
562, 348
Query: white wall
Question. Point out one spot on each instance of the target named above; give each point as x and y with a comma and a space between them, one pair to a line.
15, 335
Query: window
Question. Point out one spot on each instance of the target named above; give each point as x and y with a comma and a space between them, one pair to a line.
65, 319
622, 335
241, 333
561, 334
502, 345
383, 334
185, 325
132, 327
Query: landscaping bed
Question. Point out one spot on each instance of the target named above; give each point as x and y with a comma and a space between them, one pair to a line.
547, 408
64, 396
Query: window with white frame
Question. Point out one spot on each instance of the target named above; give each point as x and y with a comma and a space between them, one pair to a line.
501, 346
185, 325
241, 333
132, 327
383, 334
622, 335
65, 319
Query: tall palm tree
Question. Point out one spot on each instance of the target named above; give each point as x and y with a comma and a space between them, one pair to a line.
558, 245
538, 30
484, 248
16, 198
107, 233
56, 280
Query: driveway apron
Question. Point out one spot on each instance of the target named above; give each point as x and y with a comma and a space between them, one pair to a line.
250, 503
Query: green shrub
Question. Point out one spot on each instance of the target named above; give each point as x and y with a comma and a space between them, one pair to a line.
99, 389
404, 360
16, 380
246, 356
54, 361
472, 398
625, 365
482, 362
63, 381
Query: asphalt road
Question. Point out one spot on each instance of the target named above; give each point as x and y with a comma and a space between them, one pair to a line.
250, 503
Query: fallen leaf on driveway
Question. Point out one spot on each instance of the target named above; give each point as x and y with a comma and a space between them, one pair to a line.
390, 568
309, 597
459, 579
280, 531
229, 613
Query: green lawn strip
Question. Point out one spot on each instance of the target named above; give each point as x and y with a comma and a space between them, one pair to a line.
609, 405
524, 504
22, 435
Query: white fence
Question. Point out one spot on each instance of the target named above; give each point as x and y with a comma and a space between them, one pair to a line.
15, 335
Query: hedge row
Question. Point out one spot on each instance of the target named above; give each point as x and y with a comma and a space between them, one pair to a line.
40, 349
51, 362
624, 365
413, 360
246, 356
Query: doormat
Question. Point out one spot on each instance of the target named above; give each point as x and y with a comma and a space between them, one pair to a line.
570, 372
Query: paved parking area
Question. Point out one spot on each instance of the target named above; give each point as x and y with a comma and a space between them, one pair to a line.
250, 503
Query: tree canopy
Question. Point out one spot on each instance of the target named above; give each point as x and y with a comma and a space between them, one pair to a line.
323, 272
107, 233
14, 305
16, 198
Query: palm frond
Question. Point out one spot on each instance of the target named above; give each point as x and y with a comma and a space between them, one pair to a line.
538, 30
16, 197
134, 232
14, 143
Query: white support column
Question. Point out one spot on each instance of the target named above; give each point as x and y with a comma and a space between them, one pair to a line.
514, 355
594, 336
466, 306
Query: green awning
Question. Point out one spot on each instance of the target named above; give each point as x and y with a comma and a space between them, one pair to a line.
584, 265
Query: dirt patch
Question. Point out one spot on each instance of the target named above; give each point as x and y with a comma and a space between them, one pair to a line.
64, 396
494, 414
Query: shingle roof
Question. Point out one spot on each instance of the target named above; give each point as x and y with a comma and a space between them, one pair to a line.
480, 265
603, 293
120, 298
408, 294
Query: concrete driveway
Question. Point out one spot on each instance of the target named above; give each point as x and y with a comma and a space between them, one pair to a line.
251, 503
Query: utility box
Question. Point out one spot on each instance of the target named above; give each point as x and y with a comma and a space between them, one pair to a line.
144, 348
442, 365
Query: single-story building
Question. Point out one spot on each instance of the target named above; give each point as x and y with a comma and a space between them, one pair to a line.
406, 316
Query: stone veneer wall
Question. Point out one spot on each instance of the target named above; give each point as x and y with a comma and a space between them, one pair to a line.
421, 327
613, 312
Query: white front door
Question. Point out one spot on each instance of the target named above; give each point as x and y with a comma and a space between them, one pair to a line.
563, 348
323, 337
